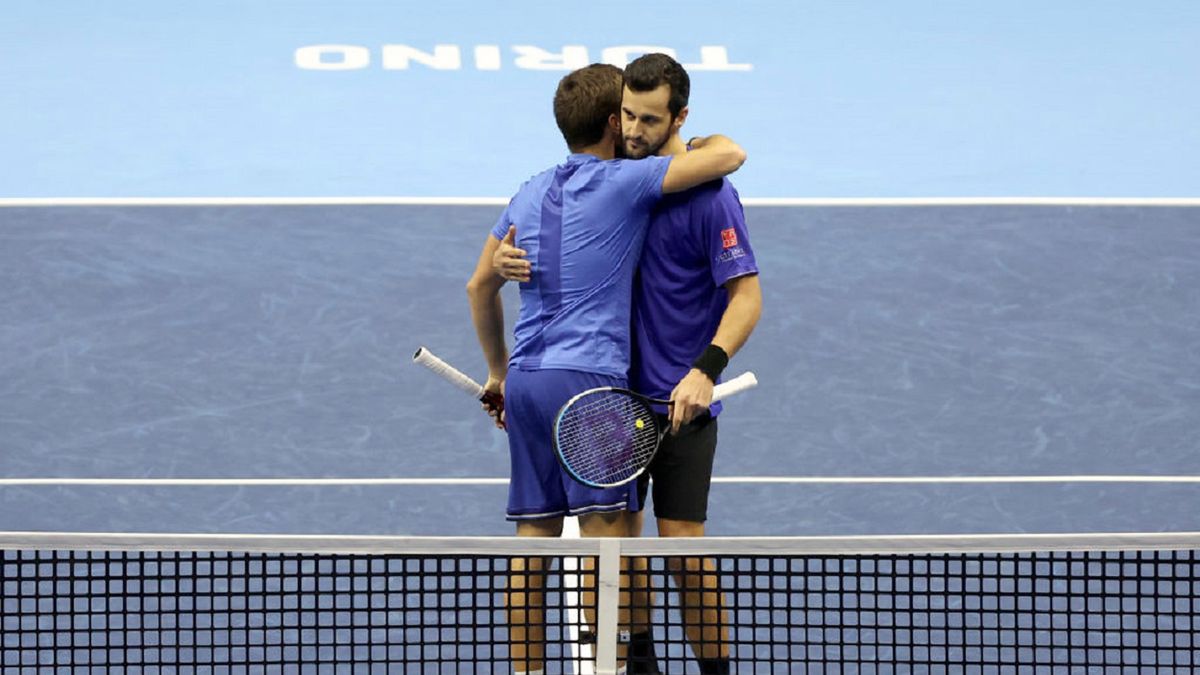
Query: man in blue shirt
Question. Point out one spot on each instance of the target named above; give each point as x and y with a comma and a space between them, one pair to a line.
583, 223
696, 300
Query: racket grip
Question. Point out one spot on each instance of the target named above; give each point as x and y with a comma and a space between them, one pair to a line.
448, 372
735, 386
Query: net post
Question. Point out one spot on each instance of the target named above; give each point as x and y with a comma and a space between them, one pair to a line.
608, 589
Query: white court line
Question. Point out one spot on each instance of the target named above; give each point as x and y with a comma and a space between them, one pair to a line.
971, 201
254, 201
501, 201
798, 480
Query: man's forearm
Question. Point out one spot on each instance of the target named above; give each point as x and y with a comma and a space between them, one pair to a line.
694, 392
487, 313
697, 142
741, 315
717, 156
487, 310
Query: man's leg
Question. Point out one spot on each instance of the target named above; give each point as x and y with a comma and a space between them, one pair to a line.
529, 417
525, 601
642, 657
633, 617
705, 617
682, 472
538, 485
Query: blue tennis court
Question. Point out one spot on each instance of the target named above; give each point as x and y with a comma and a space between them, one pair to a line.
916, 345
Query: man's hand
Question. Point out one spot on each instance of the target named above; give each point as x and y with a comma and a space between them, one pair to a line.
495, 387
509, 261
690, 398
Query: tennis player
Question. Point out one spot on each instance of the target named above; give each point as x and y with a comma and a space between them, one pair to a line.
696, 299
583, 222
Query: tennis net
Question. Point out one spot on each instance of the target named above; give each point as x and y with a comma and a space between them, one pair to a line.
1001, 603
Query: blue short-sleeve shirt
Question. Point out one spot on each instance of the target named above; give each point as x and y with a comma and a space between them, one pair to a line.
582, 224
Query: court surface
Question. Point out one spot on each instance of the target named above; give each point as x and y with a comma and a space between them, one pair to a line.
961, 353
1021, 357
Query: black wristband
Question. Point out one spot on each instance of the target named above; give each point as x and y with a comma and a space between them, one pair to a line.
712, 362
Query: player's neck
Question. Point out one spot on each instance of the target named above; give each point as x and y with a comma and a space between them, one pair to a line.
602, 154
604, 150
674, 146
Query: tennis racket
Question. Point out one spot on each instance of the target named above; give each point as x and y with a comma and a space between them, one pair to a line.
607, 436
455, 377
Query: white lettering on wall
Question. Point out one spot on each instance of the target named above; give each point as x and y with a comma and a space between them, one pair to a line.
716, 57
333, 57
621, 56
491, 57
487, 57
444, 57
535, 58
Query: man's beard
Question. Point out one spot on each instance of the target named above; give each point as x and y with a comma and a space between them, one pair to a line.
649, 149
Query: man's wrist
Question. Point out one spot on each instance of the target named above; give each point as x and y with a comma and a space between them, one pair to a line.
712, 362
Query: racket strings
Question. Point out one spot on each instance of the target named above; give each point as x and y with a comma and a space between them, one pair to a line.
607, 437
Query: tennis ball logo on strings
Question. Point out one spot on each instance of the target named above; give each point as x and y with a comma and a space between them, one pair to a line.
639, 424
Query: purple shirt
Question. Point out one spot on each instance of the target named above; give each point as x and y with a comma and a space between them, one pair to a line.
697, 242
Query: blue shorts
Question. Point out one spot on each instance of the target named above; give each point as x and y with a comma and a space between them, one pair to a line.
539, 487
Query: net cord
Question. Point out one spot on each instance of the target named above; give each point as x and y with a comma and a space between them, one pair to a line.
805, 545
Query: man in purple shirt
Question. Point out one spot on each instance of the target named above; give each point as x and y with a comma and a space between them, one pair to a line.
696, 299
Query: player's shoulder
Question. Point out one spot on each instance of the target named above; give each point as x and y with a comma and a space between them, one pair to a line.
622, 175
715, 192
536, 183
542, 177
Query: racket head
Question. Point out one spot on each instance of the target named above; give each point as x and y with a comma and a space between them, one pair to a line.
606, 437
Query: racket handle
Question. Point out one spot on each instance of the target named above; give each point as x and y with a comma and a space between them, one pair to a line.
735, 386
448, 372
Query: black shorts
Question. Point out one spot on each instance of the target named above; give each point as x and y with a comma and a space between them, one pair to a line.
681, 472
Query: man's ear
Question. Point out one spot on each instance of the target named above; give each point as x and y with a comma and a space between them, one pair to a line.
681, 118
614, 123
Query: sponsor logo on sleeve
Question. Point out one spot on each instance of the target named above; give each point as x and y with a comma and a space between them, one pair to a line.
728, 238
731, 254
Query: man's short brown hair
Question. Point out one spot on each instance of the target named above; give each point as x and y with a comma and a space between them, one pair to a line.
584, 101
